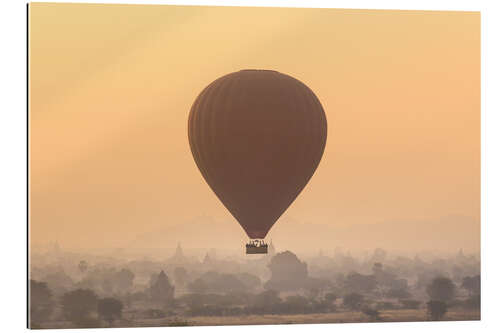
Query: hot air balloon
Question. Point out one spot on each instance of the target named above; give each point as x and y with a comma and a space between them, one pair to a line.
257, 136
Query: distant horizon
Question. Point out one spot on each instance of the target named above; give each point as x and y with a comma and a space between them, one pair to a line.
167, 252
238, 237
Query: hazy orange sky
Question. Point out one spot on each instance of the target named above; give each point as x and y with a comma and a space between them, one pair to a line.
111, 87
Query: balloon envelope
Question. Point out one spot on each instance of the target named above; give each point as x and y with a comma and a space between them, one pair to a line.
257, 137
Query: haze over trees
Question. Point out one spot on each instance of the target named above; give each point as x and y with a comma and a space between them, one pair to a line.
181, 289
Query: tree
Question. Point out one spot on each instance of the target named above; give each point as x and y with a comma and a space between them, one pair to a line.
329, 301
109, 309
472, 284
436, 309
138, 296
441, 289
382, 276
321, 306
40, 302
78, 305
356, 282
313, 293
295, 304
287, 272
330, 297
231, 283
266, 302
473, 302
400, 293
249, 280
353, 301
316, 286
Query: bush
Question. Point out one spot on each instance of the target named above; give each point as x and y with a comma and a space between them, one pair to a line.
473, 302
206, 310
353, 301
109, 309
373, 314
295, 305
409, 303
322, 306
177, 323
398, 293
386, 305
436, 309
154, 314
330, 297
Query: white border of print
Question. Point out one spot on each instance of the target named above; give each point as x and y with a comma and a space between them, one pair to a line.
13, 165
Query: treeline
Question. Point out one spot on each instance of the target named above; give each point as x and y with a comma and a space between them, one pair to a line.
107, 296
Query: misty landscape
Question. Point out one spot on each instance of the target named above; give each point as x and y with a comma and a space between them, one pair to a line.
184, 287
